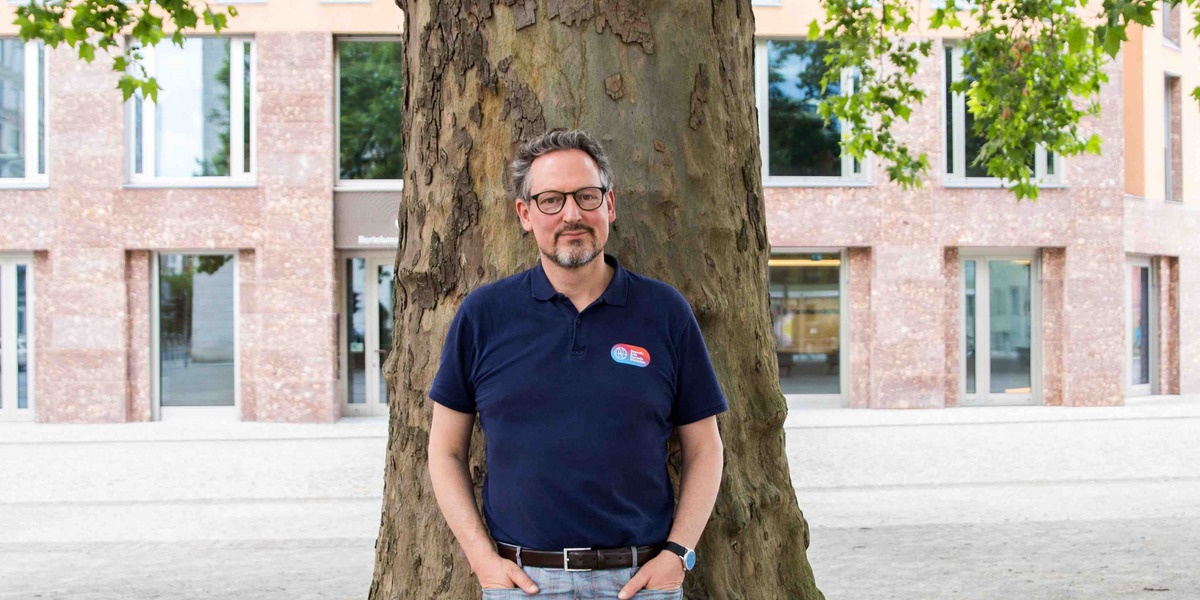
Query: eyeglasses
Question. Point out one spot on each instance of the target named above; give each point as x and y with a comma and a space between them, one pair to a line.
551, 202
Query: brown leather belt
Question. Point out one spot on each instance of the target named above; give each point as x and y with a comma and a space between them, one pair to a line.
580, 559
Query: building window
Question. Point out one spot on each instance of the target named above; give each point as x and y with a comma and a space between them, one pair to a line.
806, 308
1172, 140
1170, 23
963, 145
16, 339
22, 112
201, 129
370, 104
798, 147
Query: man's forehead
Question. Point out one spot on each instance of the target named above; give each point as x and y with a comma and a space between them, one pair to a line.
561, 167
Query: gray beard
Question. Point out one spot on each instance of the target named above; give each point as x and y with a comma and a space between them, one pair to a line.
574, 257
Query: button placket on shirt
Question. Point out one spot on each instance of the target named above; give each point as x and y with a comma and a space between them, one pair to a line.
577, 338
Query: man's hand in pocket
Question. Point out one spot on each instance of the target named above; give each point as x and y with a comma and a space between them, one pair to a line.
499, 572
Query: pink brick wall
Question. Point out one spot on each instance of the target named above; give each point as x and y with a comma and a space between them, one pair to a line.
94, 241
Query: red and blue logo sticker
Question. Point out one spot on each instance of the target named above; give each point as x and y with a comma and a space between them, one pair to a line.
630, 355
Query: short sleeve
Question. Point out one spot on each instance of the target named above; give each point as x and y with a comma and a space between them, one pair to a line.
452, 386
697, 392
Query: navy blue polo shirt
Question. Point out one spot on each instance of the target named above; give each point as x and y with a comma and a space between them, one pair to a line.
577, 406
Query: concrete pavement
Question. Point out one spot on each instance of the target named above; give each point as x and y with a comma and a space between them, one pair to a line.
1015, 502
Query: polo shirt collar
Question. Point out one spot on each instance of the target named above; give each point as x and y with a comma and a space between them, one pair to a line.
616, 293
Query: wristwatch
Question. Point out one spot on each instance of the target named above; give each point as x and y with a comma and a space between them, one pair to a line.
687, 555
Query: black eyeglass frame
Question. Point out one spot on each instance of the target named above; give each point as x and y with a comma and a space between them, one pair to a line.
603, 192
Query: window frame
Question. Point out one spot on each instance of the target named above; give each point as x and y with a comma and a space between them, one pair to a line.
34, 139
954, 152
241, 174
864, 178
354, 185
9, 357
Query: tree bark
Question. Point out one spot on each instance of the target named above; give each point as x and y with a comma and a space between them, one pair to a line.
668, 87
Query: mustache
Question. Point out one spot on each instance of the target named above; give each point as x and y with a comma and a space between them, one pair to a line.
570, 228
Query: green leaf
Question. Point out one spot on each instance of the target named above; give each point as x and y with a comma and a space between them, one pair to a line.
814, 30
1076, 37
128, 85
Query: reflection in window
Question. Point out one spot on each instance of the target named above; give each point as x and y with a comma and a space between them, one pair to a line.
805, 307
969, 267
799, 142
356, 331
200, 125
370, 106
196, 333
22, 340
384, 282
1011, 330
963, 143
22, 88
1140, 335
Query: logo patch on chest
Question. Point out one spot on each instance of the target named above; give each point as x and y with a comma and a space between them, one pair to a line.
630, 355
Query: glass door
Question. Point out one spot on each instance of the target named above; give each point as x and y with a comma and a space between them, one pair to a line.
1001, 322
16, 340
1141, 336
195, 334
368, 318
806, 309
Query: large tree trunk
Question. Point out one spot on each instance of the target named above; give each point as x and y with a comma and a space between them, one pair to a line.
668, 88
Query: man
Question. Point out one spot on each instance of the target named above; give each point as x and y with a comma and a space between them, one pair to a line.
579, 371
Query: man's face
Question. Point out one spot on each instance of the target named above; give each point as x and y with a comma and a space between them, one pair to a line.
573, 237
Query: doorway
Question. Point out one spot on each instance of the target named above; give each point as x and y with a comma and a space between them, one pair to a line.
1000, 309
16, 338
1141, 334
366, 326
808, 313
194, 302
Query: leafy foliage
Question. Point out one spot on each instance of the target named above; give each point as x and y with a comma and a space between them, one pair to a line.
1032, 70
371, 96
92, 25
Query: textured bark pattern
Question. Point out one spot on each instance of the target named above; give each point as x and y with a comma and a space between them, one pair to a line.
668, 88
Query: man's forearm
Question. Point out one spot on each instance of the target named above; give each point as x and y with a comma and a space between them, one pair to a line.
698, 486
456, 497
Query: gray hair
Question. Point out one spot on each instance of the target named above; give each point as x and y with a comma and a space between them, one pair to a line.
553, 140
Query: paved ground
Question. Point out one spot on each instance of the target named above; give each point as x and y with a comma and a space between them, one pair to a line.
1030, 502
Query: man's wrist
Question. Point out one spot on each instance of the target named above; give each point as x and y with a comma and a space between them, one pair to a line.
684, 553
481, 554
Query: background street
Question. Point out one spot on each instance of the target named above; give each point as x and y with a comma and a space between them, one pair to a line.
1015, 502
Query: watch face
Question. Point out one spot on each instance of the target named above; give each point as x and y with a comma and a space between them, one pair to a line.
689, 559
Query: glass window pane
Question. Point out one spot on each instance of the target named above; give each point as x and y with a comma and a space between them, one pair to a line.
246, 108
800, 142
12, 108
805, 294
356, 332
1140, 298
196, 336
22, 341
949, 110
975, 140
385, 324
41, 109
1011, 326
192, 114
371, 103
969, 305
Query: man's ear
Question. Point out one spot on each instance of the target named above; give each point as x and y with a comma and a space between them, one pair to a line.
612, 206
523, 214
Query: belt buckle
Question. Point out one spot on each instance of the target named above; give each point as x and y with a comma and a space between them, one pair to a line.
566, 559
